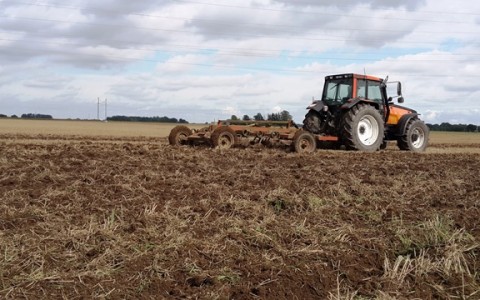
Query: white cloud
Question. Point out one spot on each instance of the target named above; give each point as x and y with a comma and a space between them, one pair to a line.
277, 109
430, 116
229, 111
181, 63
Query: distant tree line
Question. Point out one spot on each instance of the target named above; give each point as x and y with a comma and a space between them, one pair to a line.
35, 116
146, 119
281, 116
453, 127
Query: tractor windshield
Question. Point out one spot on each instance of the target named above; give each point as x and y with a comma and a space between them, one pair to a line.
337, 91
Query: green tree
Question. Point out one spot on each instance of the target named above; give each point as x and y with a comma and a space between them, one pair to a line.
246, 118
285, 116
234, 118
445, 126
36, 116
273, 117
281, 116
471, 128
258, 117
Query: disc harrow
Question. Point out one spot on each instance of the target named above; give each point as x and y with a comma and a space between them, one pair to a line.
226, 134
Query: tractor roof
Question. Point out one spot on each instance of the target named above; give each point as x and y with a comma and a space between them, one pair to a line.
351, 75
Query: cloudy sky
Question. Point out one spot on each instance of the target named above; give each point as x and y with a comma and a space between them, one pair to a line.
204, 60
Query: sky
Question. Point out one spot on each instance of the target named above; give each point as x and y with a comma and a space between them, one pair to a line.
205, 60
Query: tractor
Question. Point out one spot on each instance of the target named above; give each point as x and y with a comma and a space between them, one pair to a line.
357, 110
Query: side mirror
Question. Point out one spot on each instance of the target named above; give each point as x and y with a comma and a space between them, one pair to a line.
400, 100
399, 89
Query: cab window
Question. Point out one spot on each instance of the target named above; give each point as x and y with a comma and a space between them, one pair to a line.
373, 91
362, 89
369, 89
338, 90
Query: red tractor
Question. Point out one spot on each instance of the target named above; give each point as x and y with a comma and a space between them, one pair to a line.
358, 112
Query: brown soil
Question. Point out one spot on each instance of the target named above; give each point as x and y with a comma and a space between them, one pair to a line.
140, 219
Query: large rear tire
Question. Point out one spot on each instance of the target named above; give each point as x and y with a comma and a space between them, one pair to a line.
179, 135
363, 129
304, 142
224, 138
415, 138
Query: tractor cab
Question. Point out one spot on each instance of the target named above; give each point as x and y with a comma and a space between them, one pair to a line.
339, 89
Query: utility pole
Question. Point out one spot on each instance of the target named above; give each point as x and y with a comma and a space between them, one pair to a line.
98, 108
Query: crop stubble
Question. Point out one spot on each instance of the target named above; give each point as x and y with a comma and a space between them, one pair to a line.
134, 217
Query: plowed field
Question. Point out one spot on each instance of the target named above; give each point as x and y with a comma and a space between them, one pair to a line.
86, 217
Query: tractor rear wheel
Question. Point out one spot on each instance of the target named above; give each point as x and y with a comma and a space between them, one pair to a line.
224, 138
304, 142
363, 128
415, 138
179, 135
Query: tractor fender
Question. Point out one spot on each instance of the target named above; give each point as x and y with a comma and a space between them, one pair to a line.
316, 106
354, 101
402, 123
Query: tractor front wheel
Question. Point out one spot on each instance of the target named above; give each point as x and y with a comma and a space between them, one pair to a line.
304, 142
415, 138
312, 122
224, 138
363, 128
179, 135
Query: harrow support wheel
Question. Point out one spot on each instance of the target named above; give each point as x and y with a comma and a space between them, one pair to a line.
304, 142
179, 135
224, 138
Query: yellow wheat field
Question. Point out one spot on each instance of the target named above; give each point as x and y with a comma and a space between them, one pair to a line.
440, 142
87, 128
